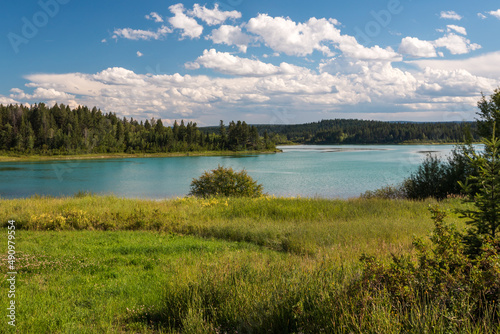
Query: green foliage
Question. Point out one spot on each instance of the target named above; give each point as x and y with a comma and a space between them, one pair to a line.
483, 190
56, 130
387, 192
489, 115
439, 275
439, 178
352, 131
225, 182
430, 180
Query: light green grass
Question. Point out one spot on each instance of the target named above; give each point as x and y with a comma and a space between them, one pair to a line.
342, 229
266, 265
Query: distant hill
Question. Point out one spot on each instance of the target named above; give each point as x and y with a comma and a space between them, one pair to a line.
353, 131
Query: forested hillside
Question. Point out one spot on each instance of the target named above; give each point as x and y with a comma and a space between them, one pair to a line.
40, 129
350, 131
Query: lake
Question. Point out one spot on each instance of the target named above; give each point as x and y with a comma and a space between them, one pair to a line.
306, 170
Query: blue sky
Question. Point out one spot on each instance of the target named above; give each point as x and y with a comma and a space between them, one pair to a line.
259, 61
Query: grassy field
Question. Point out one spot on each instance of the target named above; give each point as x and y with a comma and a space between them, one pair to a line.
94, 264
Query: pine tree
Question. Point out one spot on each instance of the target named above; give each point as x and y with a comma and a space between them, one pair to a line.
483, 191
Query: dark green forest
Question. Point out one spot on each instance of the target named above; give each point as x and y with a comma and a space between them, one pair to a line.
45, 130
352, 131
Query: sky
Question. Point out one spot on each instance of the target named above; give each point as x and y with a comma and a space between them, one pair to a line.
264, 62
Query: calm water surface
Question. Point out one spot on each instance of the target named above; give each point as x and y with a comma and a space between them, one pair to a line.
325, 171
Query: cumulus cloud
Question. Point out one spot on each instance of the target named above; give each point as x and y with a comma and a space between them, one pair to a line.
190, 28
226, 63
458, 29
481, 16
137, 34
155, 17
417, 48
480, 66
213, 16
139, 54
302, 39
350, 78
495, 13
451, 15
284, 35
230, 35
341, 83
456, 44
7, 100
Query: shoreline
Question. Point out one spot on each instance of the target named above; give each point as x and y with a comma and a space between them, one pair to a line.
96, 156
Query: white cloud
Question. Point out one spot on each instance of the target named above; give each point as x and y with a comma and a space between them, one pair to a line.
137, 34
284, 35
481, 16
343, 83
495, 13
155, 17
455, 83
213, 16
139, 54
190, 28
415, 47
456, 44
302, 39
230, 35
226, 63
103, 40
458, 29
481, 66
451, 15
7, 100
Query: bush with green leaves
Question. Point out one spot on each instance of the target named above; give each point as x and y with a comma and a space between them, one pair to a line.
440, 281
225, 182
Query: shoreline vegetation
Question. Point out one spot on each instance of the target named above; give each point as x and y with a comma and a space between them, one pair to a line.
91, 156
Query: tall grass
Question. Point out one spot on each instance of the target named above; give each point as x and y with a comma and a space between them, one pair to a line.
267, 265
343, 229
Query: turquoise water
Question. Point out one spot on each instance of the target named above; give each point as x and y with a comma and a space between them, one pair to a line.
325, 171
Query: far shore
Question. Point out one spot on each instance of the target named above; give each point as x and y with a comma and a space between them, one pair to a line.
93, 156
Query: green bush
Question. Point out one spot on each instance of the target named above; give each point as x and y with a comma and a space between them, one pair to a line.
439, 178
225, 182
440, 276
387, 192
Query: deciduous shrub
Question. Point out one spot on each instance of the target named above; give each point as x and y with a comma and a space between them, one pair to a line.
440, 276
225, 182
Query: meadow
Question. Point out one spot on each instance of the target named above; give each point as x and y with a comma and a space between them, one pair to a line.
103, 264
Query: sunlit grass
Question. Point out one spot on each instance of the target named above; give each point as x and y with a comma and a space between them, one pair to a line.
339, 228
216, 265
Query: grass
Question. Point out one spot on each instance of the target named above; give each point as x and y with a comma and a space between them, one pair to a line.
94, 264
10, 156
339, 228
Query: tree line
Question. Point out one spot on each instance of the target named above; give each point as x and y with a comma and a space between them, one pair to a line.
352, 131
40, 129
